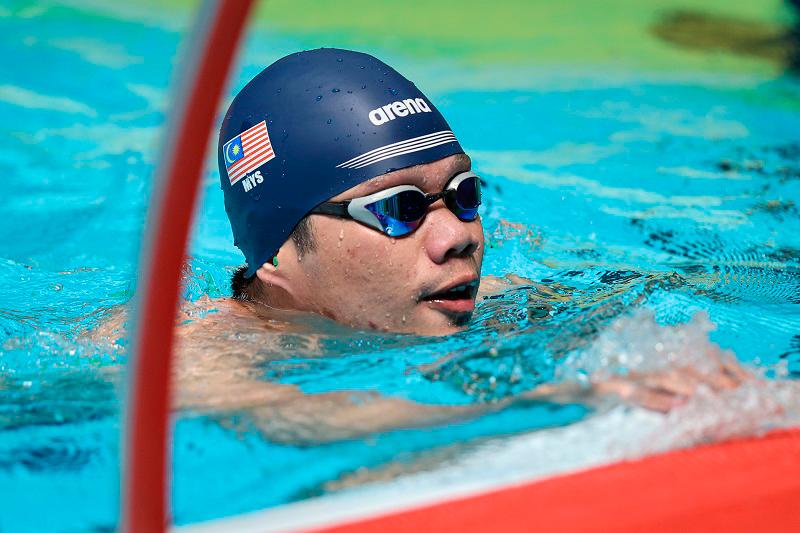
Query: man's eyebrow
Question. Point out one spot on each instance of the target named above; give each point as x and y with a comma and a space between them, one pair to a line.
462, 164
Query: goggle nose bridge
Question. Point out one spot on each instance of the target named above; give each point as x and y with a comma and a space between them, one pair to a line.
433, 197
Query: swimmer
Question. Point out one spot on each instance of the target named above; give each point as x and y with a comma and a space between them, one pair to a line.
352, 199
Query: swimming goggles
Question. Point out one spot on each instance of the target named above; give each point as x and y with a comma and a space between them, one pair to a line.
398, 211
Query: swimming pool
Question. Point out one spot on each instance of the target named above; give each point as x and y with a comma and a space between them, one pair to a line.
629, 190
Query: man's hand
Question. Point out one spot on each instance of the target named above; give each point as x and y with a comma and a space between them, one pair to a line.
664, 390
658, 391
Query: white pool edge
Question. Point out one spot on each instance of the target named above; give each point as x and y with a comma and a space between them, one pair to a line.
346, 507
421, 490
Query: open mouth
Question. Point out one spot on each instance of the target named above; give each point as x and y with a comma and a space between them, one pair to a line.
459, 292
455, 299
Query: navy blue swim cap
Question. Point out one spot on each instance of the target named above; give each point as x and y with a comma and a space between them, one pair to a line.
311, 126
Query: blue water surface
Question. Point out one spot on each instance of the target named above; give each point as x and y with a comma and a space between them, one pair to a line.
612, 189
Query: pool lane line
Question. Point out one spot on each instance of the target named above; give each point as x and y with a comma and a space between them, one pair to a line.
206, 57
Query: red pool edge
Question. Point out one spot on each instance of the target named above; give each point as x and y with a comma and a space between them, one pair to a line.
750, 484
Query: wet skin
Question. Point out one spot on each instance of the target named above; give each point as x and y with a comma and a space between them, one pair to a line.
362, 278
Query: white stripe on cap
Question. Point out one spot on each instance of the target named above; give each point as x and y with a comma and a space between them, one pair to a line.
415, 144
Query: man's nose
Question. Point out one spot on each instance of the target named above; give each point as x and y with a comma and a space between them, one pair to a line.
447, 236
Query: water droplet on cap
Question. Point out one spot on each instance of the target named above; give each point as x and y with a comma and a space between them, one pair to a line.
334, 90
319, 98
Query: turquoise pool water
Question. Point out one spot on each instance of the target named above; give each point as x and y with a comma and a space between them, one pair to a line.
619, 192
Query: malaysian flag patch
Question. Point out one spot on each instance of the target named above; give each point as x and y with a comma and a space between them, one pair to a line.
247, 151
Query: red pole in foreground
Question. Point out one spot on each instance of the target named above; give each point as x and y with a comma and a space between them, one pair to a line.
207, 57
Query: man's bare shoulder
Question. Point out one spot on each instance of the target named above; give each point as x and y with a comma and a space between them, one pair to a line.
208, 318
209, 314
247, 316
204, 314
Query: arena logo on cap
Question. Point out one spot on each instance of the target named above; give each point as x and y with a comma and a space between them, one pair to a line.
400, 108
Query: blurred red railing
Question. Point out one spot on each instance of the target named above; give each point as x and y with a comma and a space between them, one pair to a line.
204, 64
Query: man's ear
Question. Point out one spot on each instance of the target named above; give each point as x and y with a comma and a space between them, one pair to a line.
277, 288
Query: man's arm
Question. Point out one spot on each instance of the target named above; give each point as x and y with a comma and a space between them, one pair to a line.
286, 414
212, 378
494, 285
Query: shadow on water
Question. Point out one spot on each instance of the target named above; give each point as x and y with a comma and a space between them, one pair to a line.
699, 30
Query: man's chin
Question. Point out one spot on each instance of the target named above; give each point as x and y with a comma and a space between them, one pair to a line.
437, 323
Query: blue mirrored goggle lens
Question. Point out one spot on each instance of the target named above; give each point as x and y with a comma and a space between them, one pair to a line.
402, 213
466, 199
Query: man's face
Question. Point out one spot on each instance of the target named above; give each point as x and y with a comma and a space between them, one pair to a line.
364, 278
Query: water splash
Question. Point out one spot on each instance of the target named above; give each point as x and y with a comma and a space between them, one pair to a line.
637, 344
